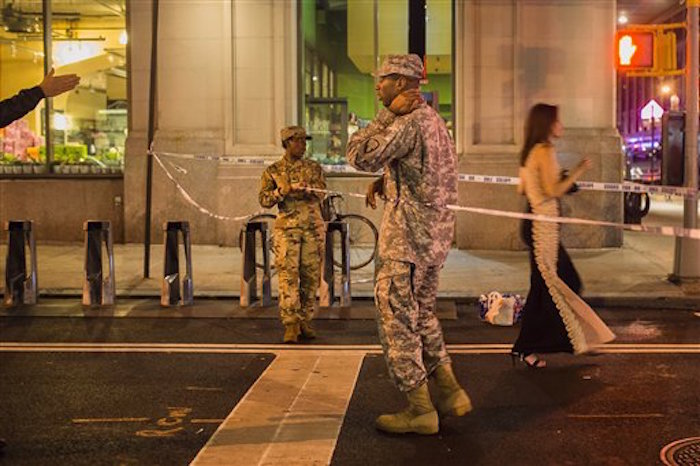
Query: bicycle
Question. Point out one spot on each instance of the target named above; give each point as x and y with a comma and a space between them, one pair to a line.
363, 235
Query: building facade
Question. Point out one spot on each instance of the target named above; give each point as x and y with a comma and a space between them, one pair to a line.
232, 73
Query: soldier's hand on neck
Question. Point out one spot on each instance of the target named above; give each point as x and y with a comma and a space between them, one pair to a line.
406, 102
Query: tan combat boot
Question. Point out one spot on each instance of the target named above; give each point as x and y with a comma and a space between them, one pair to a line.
291, 333
420, 417
452, 400
307, 331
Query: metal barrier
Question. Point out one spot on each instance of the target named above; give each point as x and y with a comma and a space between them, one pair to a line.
170, 294
20, 287
327, 291
96, 289
249, 277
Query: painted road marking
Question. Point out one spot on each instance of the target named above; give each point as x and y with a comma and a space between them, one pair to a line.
110, 420
294, 410
168, 426
478, 348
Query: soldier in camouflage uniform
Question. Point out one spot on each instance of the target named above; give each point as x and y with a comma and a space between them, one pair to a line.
410, 141
299, 231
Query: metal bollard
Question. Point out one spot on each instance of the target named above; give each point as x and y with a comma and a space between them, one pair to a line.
96, 289
249, 278
170, 292
327, 291
20, 287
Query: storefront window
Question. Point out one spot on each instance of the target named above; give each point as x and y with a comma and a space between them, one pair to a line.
21, 67
341, 53
90, 122
87, 125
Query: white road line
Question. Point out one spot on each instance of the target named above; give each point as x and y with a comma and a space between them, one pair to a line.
294, 410
287, 412
198, 348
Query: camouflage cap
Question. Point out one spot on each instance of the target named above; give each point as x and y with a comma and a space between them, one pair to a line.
293, 131
406, 65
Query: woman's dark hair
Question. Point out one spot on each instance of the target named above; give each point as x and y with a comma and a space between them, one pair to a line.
538, 127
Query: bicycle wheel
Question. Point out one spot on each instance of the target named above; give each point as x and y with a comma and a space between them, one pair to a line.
270, 219
363, 240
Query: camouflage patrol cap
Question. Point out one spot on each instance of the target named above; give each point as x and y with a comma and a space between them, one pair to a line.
406, 65
293, 131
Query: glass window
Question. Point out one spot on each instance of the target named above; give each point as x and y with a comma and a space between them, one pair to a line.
341, 35
90, 122
88, 126
22, 67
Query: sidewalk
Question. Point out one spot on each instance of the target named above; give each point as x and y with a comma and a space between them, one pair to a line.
634, 275
635, 272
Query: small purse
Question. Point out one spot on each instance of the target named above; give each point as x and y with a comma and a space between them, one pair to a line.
574, 187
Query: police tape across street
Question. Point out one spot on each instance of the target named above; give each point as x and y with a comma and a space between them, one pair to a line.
693, 233
625, 187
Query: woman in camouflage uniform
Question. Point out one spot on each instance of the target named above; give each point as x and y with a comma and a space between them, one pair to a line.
299, 231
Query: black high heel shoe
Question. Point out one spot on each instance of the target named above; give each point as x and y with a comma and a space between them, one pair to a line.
536, 363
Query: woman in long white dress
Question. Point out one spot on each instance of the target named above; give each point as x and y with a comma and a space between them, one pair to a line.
555, 318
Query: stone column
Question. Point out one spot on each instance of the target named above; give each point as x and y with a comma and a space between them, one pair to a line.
512, 54
226, 80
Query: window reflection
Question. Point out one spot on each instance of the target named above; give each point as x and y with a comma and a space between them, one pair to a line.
88, 125
340, 54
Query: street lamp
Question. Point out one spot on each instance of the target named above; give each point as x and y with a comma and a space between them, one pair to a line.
652, 112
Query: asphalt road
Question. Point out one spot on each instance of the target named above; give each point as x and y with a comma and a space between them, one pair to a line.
135, 403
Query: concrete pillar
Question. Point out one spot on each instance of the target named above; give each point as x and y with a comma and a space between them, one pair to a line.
510, 55
226, 81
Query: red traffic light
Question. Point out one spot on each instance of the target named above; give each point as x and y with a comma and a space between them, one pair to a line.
634, 50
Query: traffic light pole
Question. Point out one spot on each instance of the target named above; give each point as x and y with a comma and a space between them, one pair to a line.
686, 264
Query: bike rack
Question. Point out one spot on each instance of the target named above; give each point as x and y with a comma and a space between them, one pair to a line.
249, 277
20, 288
327, 290
170, 291
96, 290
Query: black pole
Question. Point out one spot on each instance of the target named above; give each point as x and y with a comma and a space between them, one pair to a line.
151, 131
416, 27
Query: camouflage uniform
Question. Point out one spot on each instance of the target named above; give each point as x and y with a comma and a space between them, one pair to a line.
420, 180
298, 236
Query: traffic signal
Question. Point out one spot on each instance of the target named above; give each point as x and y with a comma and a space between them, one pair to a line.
647, 50
636, 50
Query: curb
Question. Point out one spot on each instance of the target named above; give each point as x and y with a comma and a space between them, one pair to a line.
620, 301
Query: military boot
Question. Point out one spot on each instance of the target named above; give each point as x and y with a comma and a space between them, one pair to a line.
291, 333
420, 417
307, 331
451, 400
